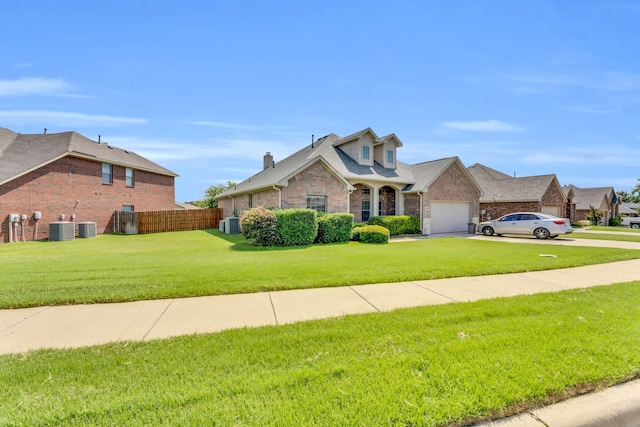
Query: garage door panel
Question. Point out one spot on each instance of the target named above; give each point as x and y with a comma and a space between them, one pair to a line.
450, 217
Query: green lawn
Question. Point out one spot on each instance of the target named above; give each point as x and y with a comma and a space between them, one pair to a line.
429, 366
623, 229
112, 268
630, 237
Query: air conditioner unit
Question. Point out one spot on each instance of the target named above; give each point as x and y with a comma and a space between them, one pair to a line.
61, 230
86, 229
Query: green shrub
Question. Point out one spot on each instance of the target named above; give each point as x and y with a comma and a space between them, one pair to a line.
371, 234
615, 221
335, 227
400, 224
259, 226
296, 227
359, 224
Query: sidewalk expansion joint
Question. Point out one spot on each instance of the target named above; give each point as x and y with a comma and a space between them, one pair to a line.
437, 293
273, 309
144, 338
366, 300
24, 319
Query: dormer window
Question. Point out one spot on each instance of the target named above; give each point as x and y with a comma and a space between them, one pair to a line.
365, 152
390, 157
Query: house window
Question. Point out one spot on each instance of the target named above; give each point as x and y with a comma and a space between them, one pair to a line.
250, 200
389, 156
366, 191
318, 203
366, 210
129, 176
127, 208
365, 153
107, 173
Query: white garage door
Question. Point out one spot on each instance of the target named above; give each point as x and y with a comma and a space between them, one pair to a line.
450, 217
551, 210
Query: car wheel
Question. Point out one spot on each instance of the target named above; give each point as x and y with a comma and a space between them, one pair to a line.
541, 233
635, 225
487, 231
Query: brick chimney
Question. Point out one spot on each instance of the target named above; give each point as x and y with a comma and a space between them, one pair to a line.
268, 161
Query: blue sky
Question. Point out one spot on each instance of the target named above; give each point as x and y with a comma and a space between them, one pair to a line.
205, 88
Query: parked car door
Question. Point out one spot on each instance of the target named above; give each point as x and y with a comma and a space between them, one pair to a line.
527, 223
508, 224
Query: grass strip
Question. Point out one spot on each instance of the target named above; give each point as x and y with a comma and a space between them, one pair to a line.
429, 366
115, 268
630, 237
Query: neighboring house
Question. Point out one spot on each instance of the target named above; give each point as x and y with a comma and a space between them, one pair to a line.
360, 174
51, 177
580, 201
503, 194
186, 206
629, 209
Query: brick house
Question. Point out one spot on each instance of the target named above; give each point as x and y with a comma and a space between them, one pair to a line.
503, 194
580, 200
360, 174
67, 174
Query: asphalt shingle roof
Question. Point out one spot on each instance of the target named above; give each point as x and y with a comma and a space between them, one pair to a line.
327, 150
22, 153
499, 187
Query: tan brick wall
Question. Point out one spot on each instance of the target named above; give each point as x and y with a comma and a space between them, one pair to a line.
452, 185
74, 186
316, 180
496, 210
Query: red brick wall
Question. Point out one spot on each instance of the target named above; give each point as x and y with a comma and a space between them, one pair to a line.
355, 202
74, 186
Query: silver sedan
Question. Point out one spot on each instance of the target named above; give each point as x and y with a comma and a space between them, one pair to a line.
541, 225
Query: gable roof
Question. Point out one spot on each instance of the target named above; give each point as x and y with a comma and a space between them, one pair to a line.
23, 153
584, 198
326, 150
500, 187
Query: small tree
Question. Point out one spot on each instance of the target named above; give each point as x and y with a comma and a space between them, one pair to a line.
210, 193
594, 216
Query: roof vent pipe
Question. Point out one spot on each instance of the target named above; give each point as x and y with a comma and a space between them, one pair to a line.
99, 139
45, 131
312, 140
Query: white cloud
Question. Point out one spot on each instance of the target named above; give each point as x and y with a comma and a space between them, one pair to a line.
235, 149
34, 86
65, 119
483, 126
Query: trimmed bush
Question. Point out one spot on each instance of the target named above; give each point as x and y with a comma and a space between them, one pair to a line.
334, 227
400, 224
259, 226
296, 227
371, 234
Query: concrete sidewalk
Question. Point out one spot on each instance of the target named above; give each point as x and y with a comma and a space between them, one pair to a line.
27, 329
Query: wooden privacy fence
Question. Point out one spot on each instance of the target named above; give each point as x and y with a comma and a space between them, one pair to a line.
161, 221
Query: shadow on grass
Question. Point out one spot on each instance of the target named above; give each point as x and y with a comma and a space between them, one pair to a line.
239, 243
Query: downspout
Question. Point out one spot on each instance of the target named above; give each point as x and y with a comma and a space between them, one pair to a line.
349, 200
279, 196
420, 193
233, 204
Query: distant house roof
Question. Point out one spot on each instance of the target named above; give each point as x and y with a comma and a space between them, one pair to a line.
327, 151
23, 153
186, 206
500, 187
629, 208
584, 198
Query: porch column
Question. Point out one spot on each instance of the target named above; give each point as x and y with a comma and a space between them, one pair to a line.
375, 200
